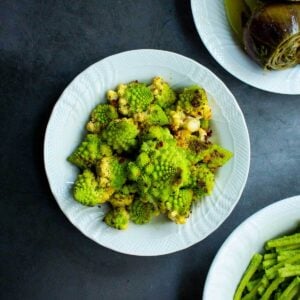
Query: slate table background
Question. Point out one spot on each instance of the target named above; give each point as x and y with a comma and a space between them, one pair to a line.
44, 45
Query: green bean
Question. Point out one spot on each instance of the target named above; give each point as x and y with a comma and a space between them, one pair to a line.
272, 272
263, 285
252, 284
289, 270
293, 239
272, 287
289, 288
251, 269
270, 256
286, 248
269, 263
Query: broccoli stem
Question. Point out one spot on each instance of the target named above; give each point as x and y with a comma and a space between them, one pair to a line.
293, 239
289, 271
288, 252
288, 290
287, 248
263, 285
269, 263
252, 284
293, 293
251, 269
254, 290
270, 256
272, 287
272, 272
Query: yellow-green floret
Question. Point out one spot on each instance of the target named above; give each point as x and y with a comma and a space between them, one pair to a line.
133, 98
178, 205
216, 156
159, 168
111, 171
117, 218
101, 115
87, 191
202, 180
154, 115
121, 135
157, 133
163, 94
193, 101
87, 153
142, 212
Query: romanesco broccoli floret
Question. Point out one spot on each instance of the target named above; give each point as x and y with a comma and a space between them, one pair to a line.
154, 115
178, 205
202, 180
163, 94
101, 115
196, 147
120, 200
142, 212
157, 133
117, 218
111, 171
160, 167
87, 191
216, 157
133, 98
121, 135
87, 153
193, 102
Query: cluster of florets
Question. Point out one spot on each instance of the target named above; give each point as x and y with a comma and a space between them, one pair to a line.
147, 152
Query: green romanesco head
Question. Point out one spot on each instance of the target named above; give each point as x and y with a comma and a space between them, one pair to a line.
87, 153
154, 115
193, 101
87, 191
121, 135
202, 180
117, 218
111, 171
216, 157
163, 94
159, 168
142, 212
133, 98
101, 115
178, 205
157, 133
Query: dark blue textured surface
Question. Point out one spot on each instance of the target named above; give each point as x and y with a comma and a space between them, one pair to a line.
43, 46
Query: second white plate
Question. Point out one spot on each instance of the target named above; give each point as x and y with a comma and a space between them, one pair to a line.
234, 256
212, 25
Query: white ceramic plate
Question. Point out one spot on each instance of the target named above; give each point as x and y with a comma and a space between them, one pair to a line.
215, 32
66, 129
248, 238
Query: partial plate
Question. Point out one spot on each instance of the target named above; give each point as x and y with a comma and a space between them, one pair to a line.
212, 25
248, 238
66, 129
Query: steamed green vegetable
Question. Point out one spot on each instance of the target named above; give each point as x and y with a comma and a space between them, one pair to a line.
268, 277
148, 153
